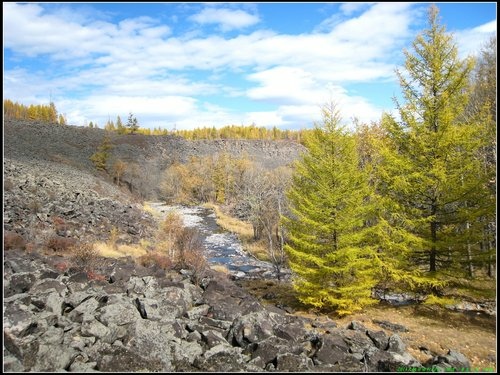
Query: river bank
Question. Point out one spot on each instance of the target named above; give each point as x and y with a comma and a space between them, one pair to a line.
222, 248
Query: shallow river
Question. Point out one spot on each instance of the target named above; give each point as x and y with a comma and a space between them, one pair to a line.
221, 247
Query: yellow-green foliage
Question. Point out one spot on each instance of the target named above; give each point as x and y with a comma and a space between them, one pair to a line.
100, 158
440, 301
43, 113
432, 179
243, 132
335, 265
170, 229
215, 178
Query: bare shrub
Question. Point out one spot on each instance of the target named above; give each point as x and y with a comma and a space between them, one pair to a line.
153, 258
13, 241
187, 240
171, 226
84, 256
170, 229
60, 244
190, 253
60, 224
197, 263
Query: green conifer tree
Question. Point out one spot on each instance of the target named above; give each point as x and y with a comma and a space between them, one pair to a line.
100, 158
333, 261
428, 172
132, 124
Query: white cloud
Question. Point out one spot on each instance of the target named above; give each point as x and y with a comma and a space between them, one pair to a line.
29, 30
349, 8
283, 84
228, 19
138, 65
156, 111
470, 41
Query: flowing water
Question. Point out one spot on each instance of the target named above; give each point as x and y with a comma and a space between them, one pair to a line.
221, 247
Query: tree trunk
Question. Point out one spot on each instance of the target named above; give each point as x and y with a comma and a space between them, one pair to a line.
470, 267
432, 255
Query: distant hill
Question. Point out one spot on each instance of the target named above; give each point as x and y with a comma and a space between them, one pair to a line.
48, 175
151, 154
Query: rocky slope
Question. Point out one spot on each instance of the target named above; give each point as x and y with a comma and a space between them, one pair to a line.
48, 176
44, 200
147, 156
130, 318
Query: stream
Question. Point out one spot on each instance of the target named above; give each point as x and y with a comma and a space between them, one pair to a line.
221, 247
224, 248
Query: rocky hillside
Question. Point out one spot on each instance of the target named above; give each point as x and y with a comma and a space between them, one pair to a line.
128, 318
48, 177
147, 156
45, 199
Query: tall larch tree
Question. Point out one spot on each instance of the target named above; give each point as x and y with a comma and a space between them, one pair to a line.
333, 263
428, 169
482, 110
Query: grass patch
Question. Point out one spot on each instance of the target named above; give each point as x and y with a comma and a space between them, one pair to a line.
147, 207
119, 251
243, 229
220, 268
480, 288
257, 248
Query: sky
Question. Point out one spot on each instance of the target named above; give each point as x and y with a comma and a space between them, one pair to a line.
188, 65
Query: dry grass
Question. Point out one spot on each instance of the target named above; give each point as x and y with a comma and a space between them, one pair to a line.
258, 249
433, 327
220, 268
244, 231
438, 330
147, 207
108, 251
154, 258
231, 224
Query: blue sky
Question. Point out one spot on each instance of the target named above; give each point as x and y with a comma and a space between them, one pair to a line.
189, 65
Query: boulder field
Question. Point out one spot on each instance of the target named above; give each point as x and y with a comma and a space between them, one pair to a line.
124, 317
